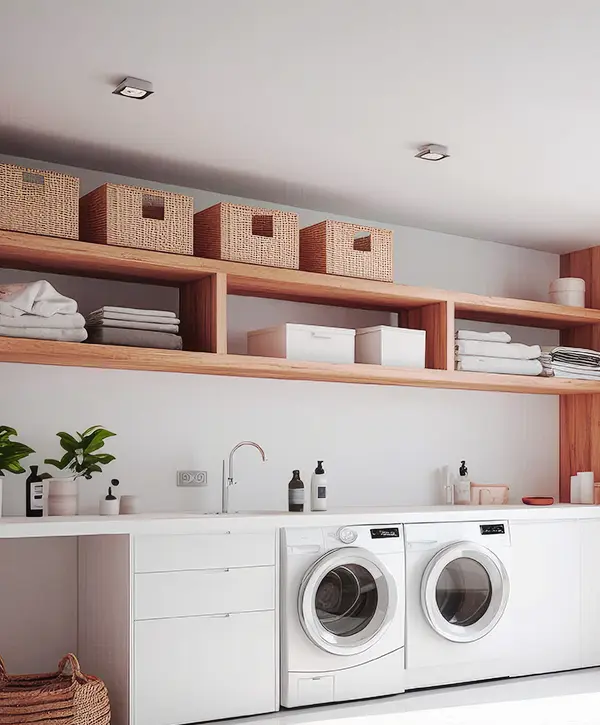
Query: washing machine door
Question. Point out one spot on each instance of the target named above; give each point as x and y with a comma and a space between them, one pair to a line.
464, 592
347, 600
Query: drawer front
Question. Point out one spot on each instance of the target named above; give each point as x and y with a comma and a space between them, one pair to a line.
203, 551
213, 591
189, 670
320, 345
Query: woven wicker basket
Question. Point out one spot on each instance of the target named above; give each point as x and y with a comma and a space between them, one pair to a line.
38, 202
241, 233
132, 216
64, 697
351, 250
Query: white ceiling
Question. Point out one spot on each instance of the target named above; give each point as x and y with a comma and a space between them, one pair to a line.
321, 103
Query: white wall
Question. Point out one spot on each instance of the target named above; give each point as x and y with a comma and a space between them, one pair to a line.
381, 445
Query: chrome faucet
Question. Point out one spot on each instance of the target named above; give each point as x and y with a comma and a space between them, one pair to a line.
230, 481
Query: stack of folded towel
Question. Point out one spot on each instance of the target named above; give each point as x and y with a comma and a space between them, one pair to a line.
493, 352
36, 310
571, 362
135, 328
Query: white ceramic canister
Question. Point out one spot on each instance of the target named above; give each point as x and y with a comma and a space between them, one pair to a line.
62, 496
586, 487
568, 291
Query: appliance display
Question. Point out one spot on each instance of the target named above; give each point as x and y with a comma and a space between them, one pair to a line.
342, 623
458, 616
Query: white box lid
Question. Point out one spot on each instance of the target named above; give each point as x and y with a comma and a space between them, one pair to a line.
307, 328
394, 330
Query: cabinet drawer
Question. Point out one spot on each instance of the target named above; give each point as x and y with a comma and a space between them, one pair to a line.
213, 591
203, 551
189, 670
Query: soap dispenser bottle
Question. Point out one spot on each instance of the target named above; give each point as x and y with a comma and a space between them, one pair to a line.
34, 492
109, 506
462, 487
296, 493
318, 489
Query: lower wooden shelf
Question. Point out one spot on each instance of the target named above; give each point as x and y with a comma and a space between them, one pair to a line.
44, 352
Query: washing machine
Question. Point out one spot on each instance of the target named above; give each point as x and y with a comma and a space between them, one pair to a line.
459, 623
342, 613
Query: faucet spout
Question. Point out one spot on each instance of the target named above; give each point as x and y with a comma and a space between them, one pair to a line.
230, 481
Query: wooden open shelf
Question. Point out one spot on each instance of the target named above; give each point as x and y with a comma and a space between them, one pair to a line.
44, 352
49, 254
205, 283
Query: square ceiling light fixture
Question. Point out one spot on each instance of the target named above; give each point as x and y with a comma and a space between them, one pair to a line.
134, 88
432, 152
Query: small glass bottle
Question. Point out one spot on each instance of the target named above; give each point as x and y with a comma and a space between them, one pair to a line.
296, 493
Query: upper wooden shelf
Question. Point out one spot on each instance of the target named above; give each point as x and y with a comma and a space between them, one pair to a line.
45, 352
49, 254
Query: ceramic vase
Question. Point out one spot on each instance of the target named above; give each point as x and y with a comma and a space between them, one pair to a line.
62, 496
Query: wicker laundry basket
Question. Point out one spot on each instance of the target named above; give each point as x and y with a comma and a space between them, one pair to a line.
39, 202
241, 233
351, 250
132, 216
64, 697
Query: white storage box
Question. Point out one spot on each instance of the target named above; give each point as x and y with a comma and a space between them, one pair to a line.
394, 346
303, 342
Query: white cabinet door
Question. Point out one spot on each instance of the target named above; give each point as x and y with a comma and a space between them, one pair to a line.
590, 592
544, 602
192, 669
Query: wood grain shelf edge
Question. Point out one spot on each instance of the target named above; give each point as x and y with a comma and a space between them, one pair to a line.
44, 352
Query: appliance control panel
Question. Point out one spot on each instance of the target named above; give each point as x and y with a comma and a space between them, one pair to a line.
491, 529
390, 532
347, 535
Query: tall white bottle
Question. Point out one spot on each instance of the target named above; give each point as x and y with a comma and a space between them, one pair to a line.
318, 489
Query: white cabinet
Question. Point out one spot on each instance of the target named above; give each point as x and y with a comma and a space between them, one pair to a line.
183, 628
544, 603
590, 592
193, 669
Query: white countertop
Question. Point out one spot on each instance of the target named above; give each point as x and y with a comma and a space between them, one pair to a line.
188, 523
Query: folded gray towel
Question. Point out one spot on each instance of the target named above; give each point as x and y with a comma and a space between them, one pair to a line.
69, 334
133, 318
128, 325
135, 338
133, 311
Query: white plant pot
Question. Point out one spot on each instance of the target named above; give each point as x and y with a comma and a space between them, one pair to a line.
62, 496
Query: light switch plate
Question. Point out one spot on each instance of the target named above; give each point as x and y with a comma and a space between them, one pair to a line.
192, 478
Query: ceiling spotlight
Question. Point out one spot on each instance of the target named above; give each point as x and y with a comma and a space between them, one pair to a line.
134, 88
432, 152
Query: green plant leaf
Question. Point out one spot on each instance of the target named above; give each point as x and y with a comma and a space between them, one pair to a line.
96, 440
89, 430
105, 458
67, 442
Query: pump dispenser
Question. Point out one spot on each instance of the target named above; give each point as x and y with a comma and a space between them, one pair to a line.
318, 489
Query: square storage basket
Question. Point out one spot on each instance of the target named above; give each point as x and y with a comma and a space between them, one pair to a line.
350, 250
39, 202
240, 233
133, 216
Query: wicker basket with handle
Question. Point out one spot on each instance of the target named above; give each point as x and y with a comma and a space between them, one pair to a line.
351, 250
39, 202
132, 216
64, 697
241, 233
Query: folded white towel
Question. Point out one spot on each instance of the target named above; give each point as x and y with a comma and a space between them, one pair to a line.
76, 334
512, 350
134, 311
34, 298
474, 364
95, 316
159, 327
483, 336
56, 321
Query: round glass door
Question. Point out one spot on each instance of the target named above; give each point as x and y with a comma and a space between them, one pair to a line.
346, 601
464, 592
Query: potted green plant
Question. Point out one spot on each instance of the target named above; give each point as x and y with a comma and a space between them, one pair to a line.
11, 454
82, 457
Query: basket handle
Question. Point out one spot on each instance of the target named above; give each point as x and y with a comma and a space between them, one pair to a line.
3, 672
71, 661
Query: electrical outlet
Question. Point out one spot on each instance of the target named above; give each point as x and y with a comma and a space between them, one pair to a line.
192, 478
